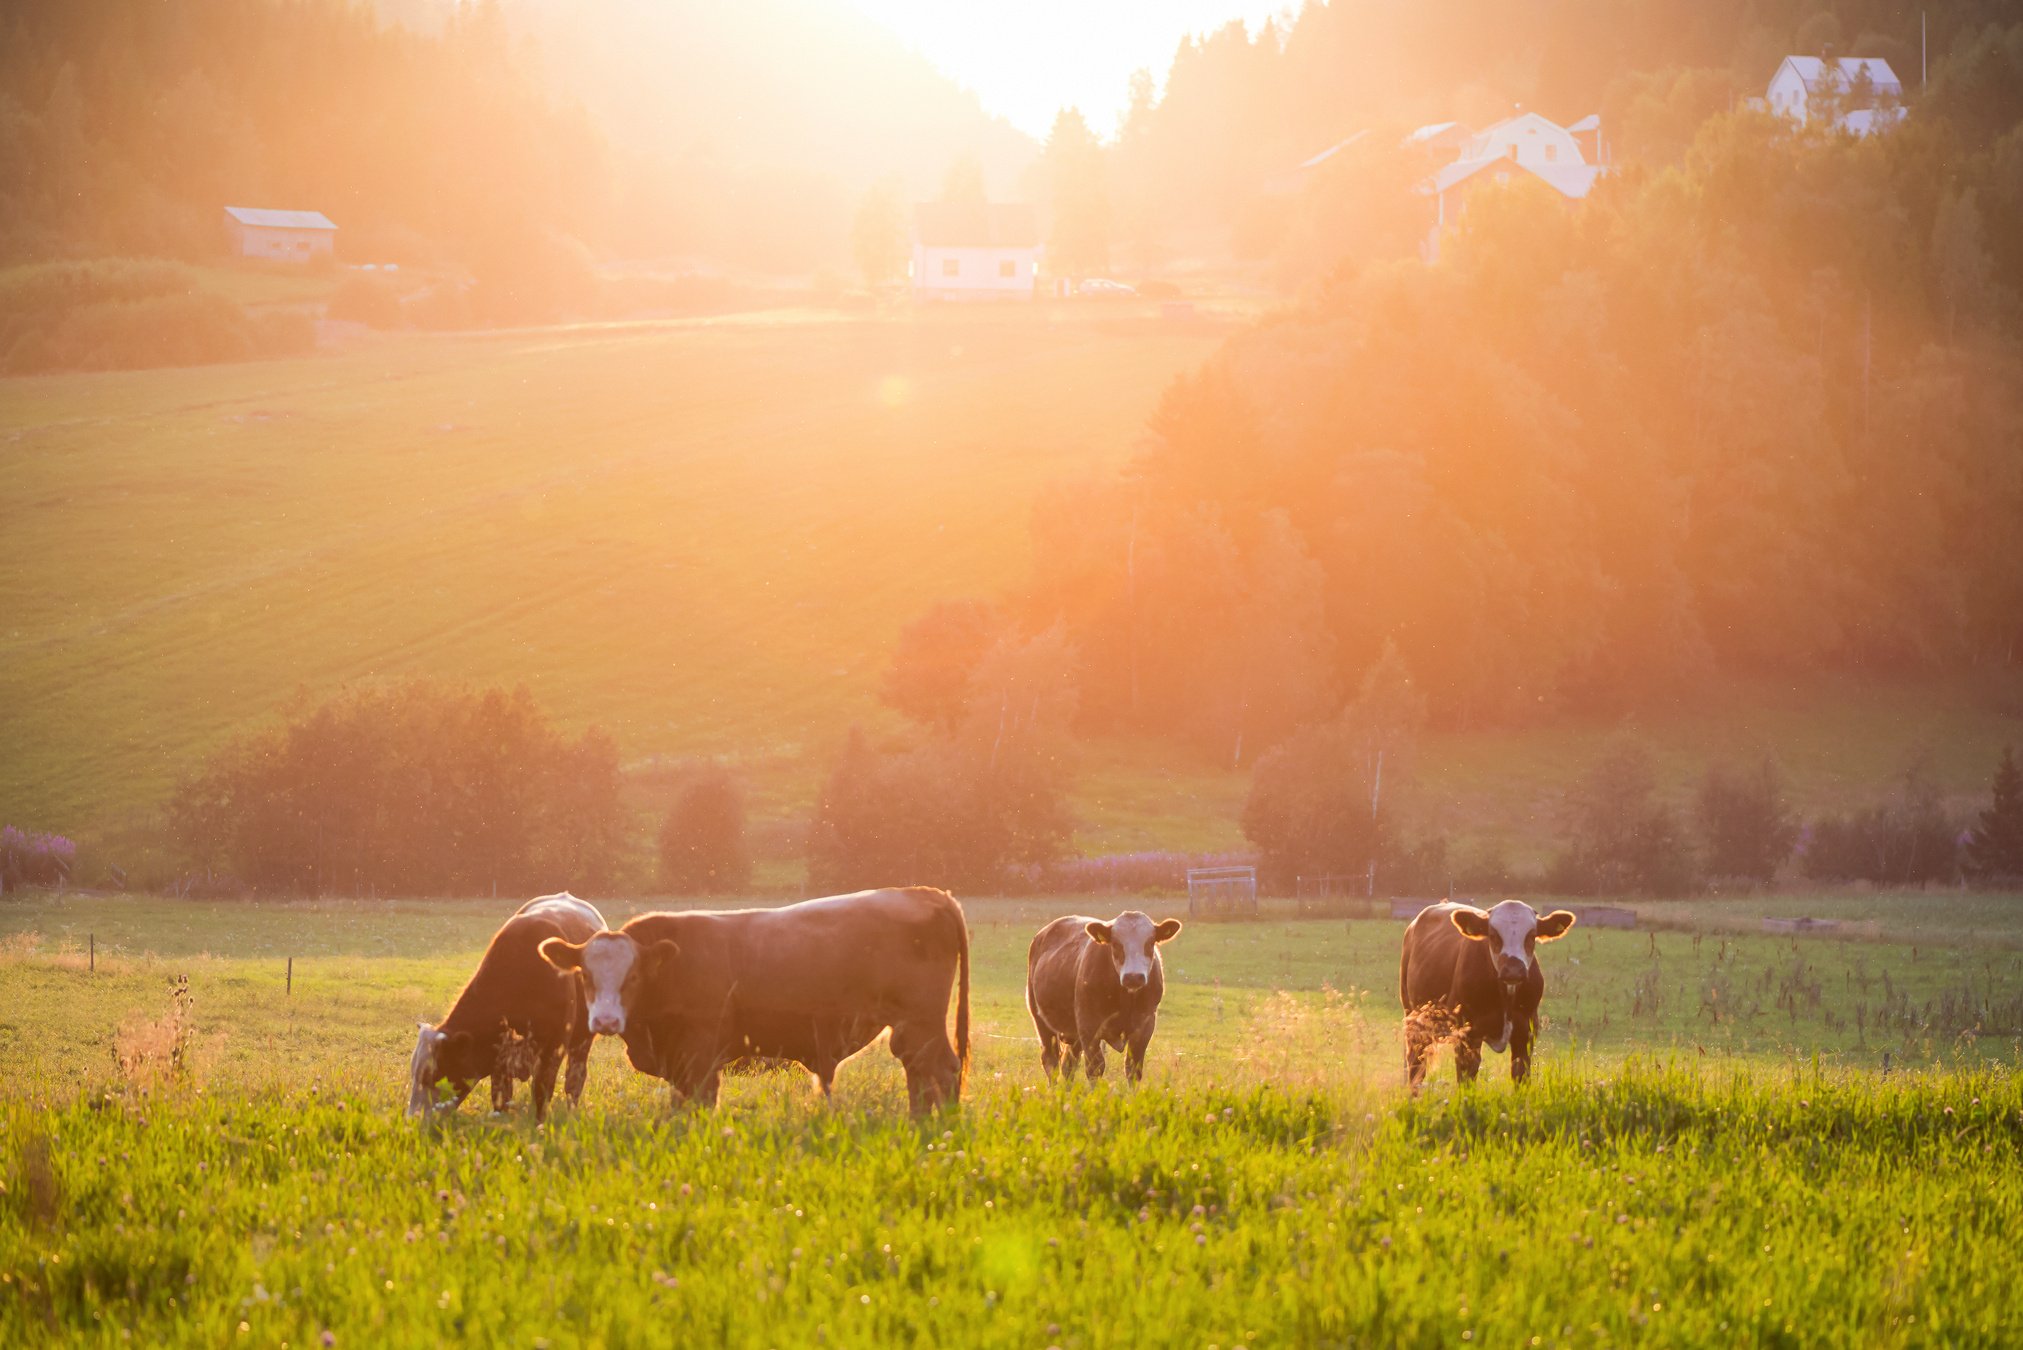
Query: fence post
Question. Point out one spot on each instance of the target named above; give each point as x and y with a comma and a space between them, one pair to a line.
93, 939
291, 977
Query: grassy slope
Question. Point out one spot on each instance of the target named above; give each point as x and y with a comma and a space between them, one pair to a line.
702, 534
1270, 1185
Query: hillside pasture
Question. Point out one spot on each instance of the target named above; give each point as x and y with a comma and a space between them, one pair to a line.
1764, 1176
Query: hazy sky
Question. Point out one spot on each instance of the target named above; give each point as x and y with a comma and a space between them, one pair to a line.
1028, 58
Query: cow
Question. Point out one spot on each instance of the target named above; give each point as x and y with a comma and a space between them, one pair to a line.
515, 1018
1472, 975
695, 993
1089, 983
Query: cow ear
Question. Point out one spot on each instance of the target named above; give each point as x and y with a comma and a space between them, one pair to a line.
1555, 924
655, 960
1098, 930
1167, 930
561, 953
1472, 922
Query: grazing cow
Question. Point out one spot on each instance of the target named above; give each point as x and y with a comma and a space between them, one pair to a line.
516, 1017
1090, 982
695, 993
1473, 975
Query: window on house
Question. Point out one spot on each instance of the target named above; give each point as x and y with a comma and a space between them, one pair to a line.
1551, 153
1007, 268
951, 267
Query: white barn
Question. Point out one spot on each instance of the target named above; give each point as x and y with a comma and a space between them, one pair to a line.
1527, 144
975, 251
295, 236
1867, 93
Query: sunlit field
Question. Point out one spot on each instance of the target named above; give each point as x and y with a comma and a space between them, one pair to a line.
702, 535
1732, 1138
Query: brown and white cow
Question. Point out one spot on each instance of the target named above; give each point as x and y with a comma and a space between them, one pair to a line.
1090, 983
1472, 975
695, 993
516, 1017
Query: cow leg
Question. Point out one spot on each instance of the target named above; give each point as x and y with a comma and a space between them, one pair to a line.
1134, 1048
579, 1069
1092, 1053
545, 1069
461, 1089
1467, 1059
933, 1069
824, 1071
1520, 1051
502, 1090
1071, 1059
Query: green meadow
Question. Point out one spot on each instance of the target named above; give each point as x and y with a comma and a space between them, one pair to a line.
1731, 1138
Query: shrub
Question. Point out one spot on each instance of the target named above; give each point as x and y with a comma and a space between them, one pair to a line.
121, 314
409, 789
1317, 802
702, 842
928, 680
1622, 839
369, 300
1746, 824
1904, 840
34, 858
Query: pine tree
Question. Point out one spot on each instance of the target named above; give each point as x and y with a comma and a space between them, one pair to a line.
1995, 845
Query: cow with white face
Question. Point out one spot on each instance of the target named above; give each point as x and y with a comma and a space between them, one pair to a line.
1471, 975
1091, 984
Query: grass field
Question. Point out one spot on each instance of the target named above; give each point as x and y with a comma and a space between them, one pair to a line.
1716, 1150
702, 534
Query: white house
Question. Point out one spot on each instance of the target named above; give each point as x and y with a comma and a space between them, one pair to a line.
974, 251
296, 236
1526, 145
1865, 92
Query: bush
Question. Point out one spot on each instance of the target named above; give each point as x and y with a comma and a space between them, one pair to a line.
411, 789
1622, 840
122, 314
1904, 840
1746, 825
702, 842
928, 680
33, 858
369, 300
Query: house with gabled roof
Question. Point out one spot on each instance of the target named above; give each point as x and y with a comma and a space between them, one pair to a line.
1860, 94
294, 236
1524, 146
975, 251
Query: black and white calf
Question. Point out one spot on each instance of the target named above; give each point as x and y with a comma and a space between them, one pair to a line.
1090, 983
1472, 976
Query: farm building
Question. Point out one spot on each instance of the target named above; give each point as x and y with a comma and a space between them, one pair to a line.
975, 251
1860, 94
296, 236
1526, 144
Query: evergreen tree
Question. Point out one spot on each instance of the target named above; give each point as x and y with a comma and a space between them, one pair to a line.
1995, 844
1080, 243
878, 236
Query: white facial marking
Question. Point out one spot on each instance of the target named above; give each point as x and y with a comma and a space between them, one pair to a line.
1515, 923
607, 962
1131, 936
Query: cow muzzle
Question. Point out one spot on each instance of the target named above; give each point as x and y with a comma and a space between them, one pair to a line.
1133, 982
604, 1024
1512, 973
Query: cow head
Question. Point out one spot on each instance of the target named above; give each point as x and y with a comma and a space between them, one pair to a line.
1512, 929
1132, 940
439, 1055
615, 969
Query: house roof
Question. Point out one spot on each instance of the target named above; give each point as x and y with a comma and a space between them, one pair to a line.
280, 220
1811, 69
1569, 180
1329, 153
975, 224
1433, 131
1592, 122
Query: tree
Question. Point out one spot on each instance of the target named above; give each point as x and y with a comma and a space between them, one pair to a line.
1623, 838
928, 679
1746, 824
1995, 844
702, 842
878, 236
1076, 180
1962, 268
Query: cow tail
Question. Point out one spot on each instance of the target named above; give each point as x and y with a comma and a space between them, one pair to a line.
962, 1000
